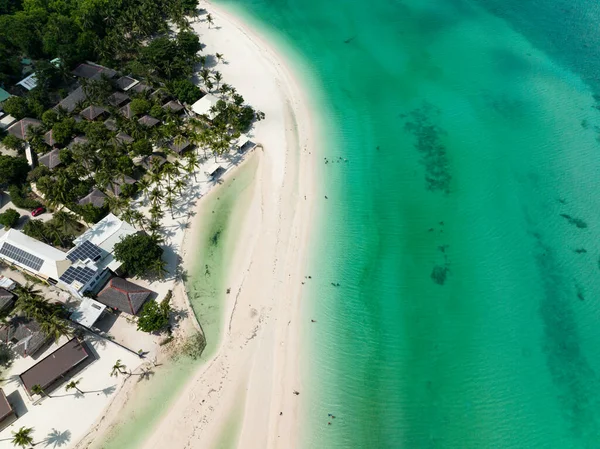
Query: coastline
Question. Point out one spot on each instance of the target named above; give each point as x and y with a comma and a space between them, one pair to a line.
260, 338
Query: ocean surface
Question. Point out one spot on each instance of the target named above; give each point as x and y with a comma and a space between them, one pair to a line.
455, 271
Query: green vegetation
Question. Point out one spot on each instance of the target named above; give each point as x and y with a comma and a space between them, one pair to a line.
58, 231
22, 437
9, 218
154, 316
13, 170
139, 253
22, 197
50, 316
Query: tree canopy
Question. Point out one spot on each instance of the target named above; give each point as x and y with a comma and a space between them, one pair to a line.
155, 316
13, 170
138, 253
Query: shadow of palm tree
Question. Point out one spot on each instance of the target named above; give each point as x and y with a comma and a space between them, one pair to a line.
57, 438
146, 374
109, 390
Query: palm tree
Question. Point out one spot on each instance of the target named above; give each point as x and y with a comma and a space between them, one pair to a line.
218, 78
209, 19
37, 389
179, 185
205, 75
127, 215
219, 56
23, 437
192, 163
73, 385
159, 266
66, 221
119, 368
202, 60
139, 219
54, 326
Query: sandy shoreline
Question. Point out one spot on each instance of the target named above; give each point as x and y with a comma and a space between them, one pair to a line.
255, 369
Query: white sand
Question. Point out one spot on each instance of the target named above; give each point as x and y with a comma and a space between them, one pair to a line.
255, 368
253, 374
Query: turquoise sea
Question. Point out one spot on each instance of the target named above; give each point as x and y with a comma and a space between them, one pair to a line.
463, 229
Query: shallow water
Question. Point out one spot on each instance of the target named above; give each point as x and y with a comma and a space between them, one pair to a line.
462, 229
205, 280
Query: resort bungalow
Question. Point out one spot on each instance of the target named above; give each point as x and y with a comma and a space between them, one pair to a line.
153, 160
173, 106
7, 300
22, 127
111, 124
23, 336
123, 295
52, 370
204, 106
49, 138
79, 140
4, 95
127, 112
125, 83
124, 138
96, 198
71, 101
30, 82
92, 113
51, 159
140, 88
244, 144
118, 99
7, 414
148, 121
116, 188
93, 71
214, 171
180, 147
6, 120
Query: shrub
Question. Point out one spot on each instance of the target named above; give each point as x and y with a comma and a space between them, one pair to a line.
13, 143
13, 170
20, 197
154, 316
140, 106
186, 91
9, 218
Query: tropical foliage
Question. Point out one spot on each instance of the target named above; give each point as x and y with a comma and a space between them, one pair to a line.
9, 218
155, 316
138, 253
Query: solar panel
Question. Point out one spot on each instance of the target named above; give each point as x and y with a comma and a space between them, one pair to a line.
87, 250
80, 274
22, 257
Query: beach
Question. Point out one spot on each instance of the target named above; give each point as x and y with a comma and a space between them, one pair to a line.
250, 370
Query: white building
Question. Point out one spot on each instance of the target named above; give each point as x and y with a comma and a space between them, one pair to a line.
203, 106
81, 269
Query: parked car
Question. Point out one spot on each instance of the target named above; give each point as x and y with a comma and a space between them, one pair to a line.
38, 211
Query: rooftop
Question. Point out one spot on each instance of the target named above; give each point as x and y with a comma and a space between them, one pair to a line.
122, 137
148, 121
5, 408
107, 233
92, 112
28, 83
51, 159
32, 255
173, 106
24, 336
179, 147
93, 71
95, 197
140, 88
71, 101
126, 82
203, 106
118, 99
56, 365
3, 95
21, 128
6, 299
88, 312
123, 295
49, 138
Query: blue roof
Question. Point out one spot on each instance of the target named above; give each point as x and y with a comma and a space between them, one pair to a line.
3, 95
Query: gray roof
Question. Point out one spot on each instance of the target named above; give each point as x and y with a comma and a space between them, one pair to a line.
126, 111
125, 82
28, 334
93, 71
148, 121
49, 138
118, 98
140, 88
111, 124
95, 197
179, 147
122, 137
92, 112
20, 128
173, 105
51, 159
148, 161
5, 408
71, 101
79, 140
123, 295
115, 188
6, 299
